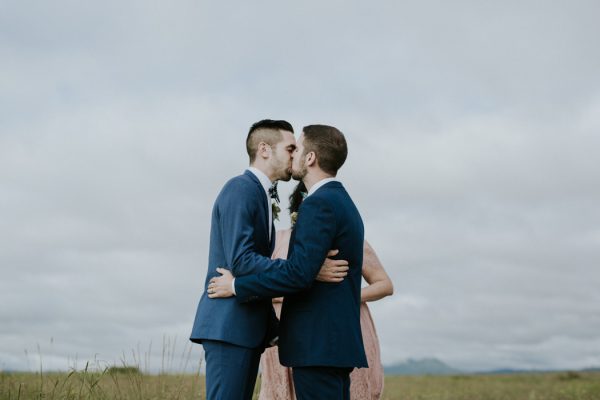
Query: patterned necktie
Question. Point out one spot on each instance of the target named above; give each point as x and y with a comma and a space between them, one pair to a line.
273, 192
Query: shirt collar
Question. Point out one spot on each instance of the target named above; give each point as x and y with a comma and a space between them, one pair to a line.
263, 179
317, 185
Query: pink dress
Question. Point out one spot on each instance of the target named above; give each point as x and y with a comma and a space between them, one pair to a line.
276, 380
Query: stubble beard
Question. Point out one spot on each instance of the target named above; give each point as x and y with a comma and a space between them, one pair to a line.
299, 174
286, 175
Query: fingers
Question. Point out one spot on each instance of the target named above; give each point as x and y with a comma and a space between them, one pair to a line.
336, 274
330, 262
213, 287
336, 271
332, 279
220, 271
223, 272
339, 263
215, 292
216, 295
339, 268
332, 253
219, 286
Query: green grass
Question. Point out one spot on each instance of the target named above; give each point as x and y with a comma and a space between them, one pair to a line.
546, 386
122, 383
129, 383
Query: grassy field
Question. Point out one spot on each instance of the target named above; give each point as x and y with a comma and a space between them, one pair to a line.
133, 385
548, 386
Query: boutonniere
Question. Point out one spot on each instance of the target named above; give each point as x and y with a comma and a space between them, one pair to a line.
275, 208
294, 218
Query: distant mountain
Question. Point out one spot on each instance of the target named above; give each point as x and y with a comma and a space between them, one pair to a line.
591, 369
506, 371
426, 366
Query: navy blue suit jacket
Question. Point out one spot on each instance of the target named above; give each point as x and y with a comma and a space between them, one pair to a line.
239, 240
320, 322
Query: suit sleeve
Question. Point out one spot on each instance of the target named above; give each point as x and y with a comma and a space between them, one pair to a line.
238, 210
314, 236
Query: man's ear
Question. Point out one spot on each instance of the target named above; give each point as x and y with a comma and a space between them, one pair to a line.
311, 159
264, 150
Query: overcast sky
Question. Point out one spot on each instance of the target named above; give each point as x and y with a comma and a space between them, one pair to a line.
473, 132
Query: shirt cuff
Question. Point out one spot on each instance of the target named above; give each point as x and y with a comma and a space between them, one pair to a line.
233, 286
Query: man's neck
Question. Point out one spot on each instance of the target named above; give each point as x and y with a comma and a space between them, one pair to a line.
263, 168
314, 177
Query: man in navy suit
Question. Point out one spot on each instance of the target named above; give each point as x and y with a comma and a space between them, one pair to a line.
320, 336
242, 237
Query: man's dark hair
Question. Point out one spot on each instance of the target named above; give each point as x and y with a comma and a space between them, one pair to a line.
268, 131
328, 144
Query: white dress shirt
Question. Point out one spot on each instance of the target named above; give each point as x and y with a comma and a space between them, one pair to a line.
317, 185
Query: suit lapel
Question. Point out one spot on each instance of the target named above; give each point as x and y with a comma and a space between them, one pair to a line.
265, 204
272, 238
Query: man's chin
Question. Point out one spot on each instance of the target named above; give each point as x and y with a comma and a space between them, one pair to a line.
286, 178
298, 175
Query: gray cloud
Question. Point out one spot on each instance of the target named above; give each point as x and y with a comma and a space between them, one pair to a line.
472, 132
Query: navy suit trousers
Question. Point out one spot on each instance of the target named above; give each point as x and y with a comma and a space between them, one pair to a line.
326, 383
230, 370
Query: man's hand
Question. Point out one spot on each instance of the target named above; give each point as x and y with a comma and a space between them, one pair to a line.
221, 286
333, 271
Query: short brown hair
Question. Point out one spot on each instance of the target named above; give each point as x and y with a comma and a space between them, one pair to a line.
268, 131
328, 144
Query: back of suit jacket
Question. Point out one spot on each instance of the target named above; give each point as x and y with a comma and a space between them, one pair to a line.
239, 240
320, 322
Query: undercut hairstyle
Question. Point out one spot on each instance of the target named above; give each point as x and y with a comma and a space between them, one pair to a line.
329, 146
267, 131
